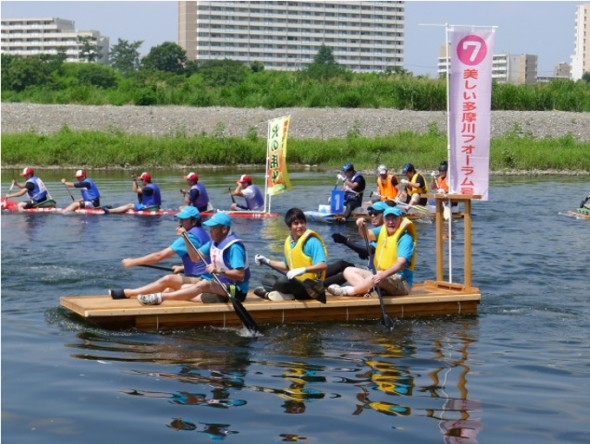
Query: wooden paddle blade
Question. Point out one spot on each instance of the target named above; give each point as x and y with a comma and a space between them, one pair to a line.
244, 316
315, 290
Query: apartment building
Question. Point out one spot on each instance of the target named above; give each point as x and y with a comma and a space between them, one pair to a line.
285, 35
517, 69
581, 57
35, 36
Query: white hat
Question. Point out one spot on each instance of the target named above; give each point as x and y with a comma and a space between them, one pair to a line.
382, 169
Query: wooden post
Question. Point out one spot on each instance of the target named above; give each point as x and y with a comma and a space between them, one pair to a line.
467, 235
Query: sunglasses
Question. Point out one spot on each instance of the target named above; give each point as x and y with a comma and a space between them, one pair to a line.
375, 213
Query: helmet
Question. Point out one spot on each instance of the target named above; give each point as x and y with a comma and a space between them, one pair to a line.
244, 178
80, 173
444, 166
382, 169
193, 177
28, 171
348, 167
408, 167
146, 177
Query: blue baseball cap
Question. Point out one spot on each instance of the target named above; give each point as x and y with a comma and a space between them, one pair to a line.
378, 206
189, 212
393, 211
348, 167
219, 219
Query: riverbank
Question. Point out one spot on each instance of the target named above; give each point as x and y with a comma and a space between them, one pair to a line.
306, 123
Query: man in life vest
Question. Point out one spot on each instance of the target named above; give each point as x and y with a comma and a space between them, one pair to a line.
189, 272
229, 263
354, 186
386, 184
90, 193
35, 188
394, 261
305, 257
415, 186
148, 193
197, 194
250, 192
585, 204
439, 180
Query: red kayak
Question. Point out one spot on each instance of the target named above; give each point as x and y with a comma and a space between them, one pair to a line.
11, 205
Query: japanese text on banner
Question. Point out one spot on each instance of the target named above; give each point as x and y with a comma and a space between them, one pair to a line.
276, 156
470, 110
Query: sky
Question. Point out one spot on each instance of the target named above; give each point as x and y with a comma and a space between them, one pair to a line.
543, 28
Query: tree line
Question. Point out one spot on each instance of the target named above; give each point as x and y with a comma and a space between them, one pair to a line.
166, 77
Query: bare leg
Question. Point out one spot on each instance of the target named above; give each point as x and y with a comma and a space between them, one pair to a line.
122, 209
72, 207
360, 280
173, 281
193, 292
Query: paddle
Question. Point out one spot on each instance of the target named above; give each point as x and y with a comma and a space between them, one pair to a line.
139, 195
231, 195
157, 267
386, 321
314, 289
68, 189
240, 310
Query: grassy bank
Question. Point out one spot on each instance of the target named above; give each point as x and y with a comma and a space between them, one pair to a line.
122, 150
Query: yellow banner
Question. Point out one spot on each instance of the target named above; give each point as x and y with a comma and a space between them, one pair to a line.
276, 156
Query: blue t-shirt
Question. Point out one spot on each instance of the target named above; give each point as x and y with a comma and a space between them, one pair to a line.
405, 249
235, 257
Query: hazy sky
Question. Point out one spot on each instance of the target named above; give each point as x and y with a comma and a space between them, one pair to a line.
544, 28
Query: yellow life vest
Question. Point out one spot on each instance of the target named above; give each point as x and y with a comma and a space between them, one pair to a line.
296, 257
386, 254
386, 189
420, 190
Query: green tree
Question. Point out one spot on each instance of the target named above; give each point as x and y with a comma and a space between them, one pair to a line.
89, 51
168, 57
324, 65
23, 72
97, 75
257, 66
124, 56
223, 72
586, 77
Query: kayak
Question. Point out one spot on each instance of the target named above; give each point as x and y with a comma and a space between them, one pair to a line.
11, 206
579, 213
427, 212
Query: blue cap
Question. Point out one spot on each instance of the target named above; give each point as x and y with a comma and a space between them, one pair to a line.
408, 167
378, 206
219, 219
188, 212
348, 167
393, 211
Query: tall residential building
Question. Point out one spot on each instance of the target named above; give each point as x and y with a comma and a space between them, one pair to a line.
286, 35
35, 36
517, 69
581, 57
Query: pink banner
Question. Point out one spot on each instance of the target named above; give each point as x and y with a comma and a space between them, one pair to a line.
470, 96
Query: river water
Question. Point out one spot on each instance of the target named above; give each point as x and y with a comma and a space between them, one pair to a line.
517, 372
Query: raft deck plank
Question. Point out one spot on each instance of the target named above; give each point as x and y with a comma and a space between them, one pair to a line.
427, 299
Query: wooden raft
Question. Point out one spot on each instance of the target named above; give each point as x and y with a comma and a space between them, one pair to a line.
427, 299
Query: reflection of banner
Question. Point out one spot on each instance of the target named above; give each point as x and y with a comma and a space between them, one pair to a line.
470, 92
276, 156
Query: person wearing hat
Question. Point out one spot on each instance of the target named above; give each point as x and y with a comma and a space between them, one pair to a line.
35, 188
415, 186
386, 184
149, 193
250, 192
394, 261
229, 263
196, 195
439, 181
304, 257
189, 220
353, 185
90, 193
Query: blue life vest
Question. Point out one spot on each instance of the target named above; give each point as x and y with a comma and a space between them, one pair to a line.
202, 201
200, 237
153, 200
92, 193
255, 202
39, 193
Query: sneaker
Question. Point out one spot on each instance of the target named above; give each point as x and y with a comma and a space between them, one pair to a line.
150, 299
117, 294
212, 298
261, 292
335, 289
278, 296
